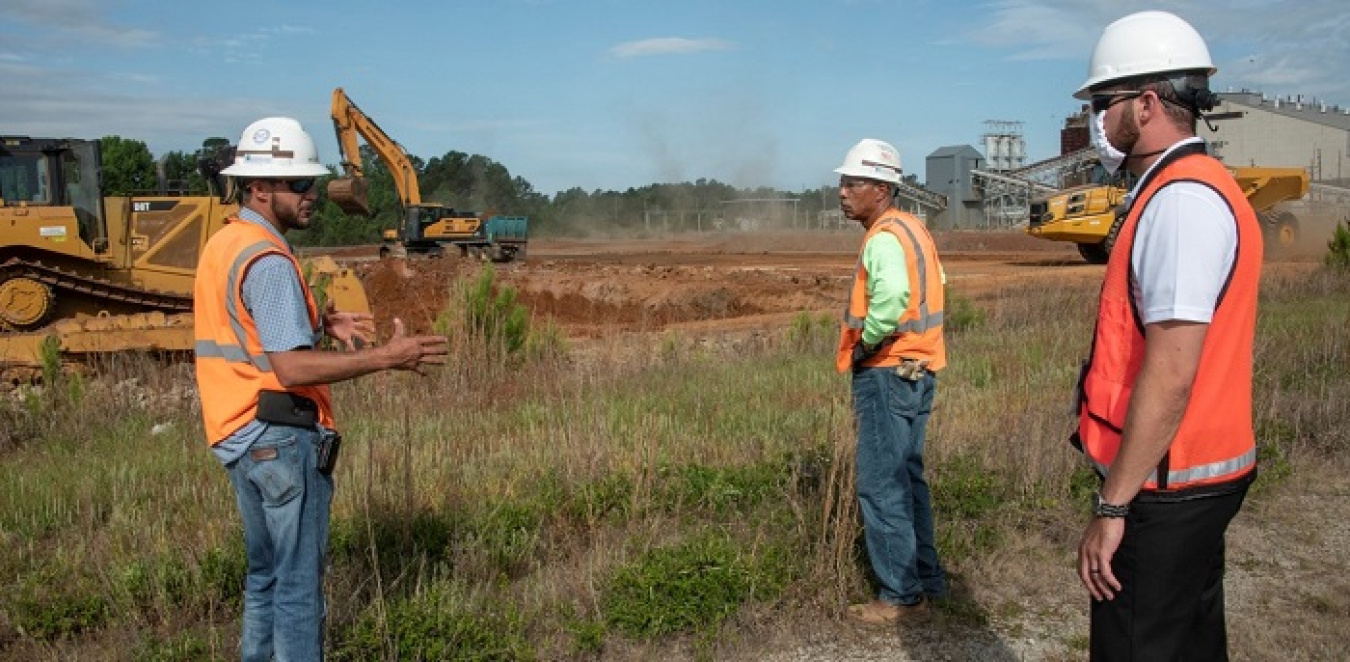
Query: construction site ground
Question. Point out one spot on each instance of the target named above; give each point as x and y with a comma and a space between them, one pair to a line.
711, 284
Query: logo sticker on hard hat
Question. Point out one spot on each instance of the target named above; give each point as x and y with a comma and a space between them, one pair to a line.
261, 135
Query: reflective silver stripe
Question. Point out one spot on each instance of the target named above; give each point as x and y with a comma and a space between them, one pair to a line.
1230, 467
233, 353
1212, 470
236, 274
922, 324
925, 320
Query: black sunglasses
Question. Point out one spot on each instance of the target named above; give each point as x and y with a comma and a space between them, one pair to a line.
1103, 100
298, 186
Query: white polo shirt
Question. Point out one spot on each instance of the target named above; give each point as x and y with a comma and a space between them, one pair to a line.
1184, 248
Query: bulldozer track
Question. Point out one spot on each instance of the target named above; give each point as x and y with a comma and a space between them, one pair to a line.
64, 281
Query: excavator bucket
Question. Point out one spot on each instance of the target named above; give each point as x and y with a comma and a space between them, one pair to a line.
351, 195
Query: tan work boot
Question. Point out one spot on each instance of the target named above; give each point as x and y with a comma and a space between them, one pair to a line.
880, 612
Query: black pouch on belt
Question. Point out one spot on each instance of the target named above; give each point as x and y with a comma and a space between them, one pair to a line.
329, 444
287, 409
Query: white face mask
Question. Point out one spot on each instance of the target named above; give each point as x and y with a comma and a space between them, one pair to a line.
1110, 157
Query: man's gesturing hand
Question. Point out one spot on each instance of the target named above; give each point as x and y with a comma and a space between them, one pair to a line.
413, 352
352, 330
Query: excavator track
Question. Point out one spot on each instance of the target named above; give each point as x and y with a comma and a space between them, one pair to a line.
64, 282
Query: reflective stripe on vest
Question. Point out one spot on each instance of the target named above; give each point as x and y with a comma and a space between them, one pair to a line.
1215, 441
926, 319
918, 334
1204, 473
236, 353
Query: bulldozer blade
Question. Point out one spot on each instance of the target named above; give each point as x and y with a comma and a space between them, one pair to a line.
350, 194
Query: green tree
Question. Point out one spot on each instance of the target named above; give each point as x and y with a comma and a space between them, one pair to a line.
128, 166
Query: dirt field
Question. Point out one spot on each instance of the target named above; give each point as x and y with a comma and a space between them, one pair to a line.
703, 284
707, 284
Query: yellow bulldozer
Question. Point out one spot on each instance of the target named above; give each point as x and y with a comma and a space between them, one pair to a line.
87, 274
1090, 215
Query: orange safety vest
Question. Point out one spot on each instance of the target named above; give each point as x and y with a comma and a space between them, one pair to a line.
919, 334
232, 368
1215, 443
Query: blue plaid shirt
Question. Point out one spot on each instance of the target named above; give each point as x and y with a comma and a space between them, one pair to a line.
274, 297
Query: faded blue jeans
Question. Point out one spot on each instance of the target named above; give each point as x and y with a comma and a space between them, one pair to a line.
897, 511
284, 502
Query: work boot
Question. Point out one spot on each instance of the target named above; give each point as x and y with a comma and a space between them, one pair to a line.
880, 612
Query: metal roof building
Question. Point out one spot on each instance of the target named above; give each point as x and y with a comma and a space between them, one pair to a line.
1292, 132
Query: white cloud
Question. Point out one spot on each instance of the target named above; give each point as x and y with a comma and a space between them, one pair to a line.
667, 46
81, 18
1277, 47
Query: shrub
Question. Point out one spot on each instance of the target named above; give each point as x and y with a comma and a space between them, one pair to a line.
494, 313
1338, 248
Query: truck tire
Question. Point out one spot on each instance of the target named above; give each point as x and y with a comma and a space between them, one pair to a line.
1100, 253
1094, 253
1280, 231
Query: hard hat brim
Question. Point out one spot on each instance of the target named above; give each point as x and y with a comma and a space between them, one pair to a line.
275, 171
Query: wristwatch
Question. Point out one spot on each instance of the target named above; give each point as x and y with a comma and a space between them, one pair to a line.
1100, 508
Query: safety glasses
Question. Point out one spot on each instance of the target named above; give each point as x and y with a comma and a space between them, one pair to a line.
1103, 100
298, 186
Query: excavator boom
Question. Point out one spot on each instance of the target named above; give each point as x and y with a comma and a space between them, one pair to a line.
349, 191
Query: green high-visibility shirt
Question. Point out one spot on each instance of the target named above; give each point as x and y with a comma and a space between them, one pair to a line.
887, 286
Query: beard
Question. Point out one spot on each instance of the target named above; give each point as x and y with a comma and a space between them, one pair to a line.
1127, 134
292, 217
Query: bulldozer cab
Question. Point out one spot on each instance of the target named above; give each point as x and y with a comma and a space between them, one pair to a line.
48, 172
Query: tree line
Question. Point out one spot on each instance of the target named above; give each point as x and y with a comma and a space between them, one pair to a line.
478, 184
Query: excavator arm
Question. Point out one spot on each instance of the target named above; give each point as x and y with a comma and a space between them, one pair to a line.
350, 190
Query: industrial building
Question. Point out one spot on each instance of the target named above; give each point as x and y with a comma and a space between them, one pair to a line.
992, 189
1291, 132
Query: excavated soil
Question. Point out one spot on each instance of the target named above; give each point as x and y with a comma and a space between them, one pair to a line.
704, 284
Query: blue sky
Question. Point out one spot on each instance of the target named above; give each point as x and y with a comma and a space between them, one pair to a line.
610, 94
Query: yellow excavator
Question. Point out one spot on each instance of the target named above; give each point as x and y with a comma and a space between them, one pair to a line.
425, 228
85, 274
1090, 216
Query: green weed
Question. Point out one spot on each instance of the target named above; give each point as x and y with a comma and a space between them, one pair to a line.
443, 622
691, 587
47, 606
961, 313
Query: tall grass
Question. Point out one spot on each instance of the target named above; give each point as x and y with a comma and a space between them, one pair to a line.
520, 505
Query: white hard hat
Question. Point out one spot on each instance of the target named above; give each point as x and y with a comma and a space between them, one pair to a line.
872, 159
275, 147
1143, 44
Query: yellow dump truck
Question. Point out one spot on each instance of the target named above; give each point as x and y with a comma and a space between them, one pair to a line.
90, 274
1090, 216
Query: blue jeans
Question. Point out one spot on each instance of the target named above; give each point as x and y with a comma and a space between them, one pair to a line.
284, 503
897, 511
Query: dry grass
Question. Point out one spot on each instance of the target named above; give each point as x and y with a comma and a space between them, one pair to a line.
506, 496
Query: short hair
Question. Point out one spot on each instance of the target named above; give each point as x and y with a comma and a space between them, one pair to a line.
1182, 109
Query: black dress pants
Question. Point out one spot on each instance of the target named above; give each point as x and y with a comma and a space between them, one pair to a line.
1170, 565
